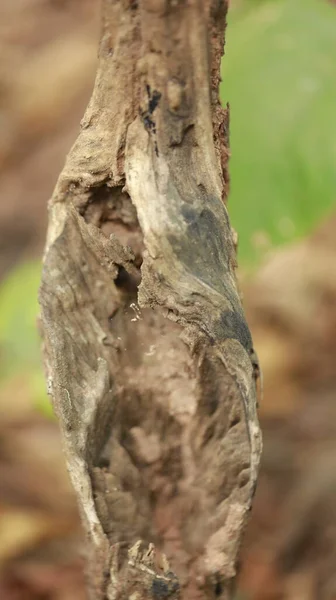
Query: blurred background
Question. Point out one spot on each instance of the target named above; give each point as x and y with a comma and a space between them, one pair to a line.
279, 75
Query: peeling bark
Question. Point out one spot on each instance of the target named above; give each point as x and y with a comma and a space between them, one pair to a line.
149, 359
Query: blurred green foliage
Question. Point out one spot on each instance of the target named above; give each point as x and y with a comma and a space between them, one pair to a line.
20, 353
18, 319
279, 77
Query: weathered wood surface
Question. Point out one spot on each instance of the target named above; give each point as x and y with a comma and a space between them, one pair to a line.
149, 359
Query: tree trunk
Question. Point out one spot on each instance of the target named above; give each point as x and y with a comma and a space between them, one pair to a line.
149, 359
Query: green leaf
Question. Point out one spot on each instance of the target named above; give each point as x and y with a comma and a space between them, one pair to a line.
279, 77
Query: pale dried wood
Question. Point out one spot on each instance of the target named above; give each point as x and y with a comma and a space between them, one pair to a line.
148, 355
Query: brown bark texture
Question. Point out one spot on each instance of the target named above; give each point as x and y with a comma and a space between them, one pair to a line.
149, 359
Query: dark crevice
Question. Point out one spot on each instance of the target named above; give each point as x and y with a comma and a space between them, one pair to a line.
106, 203
235, 421
111, 210
126, 282
218, 588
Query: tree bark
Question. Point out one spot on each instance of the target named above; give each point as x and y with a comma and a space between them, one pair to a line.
149, 359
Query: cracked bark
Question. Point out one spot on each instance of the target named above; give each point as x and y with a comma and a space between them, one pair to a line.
149, 359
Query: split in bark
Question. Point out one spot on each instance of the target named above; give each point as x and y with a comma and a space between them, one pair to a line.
149, 358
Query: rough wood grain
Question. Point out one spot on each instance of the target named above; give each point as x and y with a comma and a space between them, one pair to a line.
149, 359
